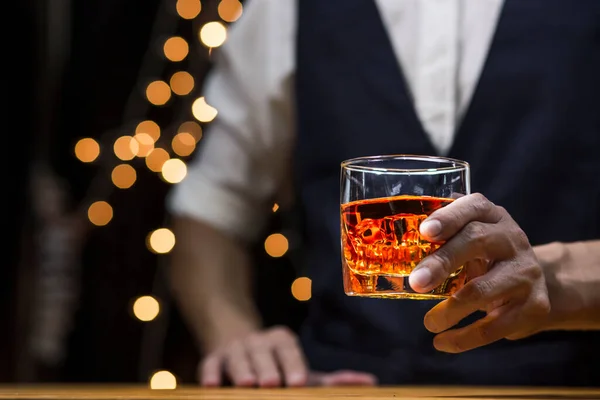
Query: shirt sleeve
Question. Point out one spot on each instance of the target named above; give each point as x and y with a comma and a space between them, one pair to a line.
243, 160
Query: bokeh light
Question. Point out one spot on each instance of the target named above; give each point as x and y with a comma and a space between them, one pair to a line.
188, 9
192, 128
100, 213
276, 245
149, 127
182, 83
275, 207
230, 10
163, 380
126, 148
123, 176
146, 308
202, 111
213, 34
176, 48
158, 93
87, 150
145, 144
302, 288
161, 241
156, 159
174, 170
183, 144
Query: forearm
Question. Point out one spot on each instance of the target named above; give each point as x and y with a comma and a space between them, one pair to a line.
572, 272
211, 280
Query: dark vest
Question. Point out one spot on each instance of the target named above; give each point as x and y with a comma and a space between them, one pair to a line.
531, 135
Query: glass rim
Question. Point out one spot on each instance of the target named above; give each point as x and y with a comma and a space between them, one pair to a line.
357, 164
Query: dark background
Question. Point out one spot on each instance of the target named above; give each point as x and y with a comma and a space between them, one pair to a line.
80, 67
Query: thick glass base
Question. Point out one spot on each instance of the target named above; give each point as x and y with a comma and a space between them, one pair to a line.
399, 295
397, 287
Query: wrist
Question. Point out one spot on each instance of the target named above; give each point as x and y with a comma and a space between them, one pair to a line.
572, 282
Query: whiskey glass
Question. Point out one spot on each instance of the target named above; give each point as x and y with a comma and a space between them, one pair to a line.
383, 200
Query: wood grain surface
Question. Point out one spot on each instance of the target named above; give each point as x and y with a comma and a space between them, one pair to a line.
117, 392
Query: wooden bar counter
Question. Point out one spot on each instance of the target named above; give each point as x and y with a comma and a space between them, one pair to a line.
116, 392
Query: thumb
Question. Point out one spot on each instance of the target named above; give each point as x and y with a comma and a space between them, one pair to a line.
342, 378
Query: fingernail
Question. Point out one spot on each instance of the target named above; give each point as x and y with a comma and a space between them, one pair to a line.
246, 381
430, 324
421, 278
431, 228
443, 345
270, 381
297, 379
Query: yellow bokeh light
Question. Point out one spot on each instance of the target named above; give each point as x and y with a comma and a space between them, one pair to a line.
123, 176
275, 207
276, 245
176, 48
183, 144
158, 93
87, 150
174, 170
302, 288
161, 241
182, 83
100, 213
202, 111
163, 380
146, 308
230, 10
188, 9
145, 144
149, 127
213, 34
156, 159
126, 147
192, 128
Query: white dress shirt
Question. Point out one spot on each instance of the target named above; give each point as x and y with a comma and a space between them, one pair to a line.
244, 167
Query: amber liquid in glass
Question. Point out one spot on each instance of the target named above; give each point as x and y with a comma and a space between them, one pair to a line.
381, 245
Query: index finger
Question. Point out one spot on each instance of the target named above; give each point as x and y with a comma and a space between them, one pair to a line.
292, 363
446, 222
210, 370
